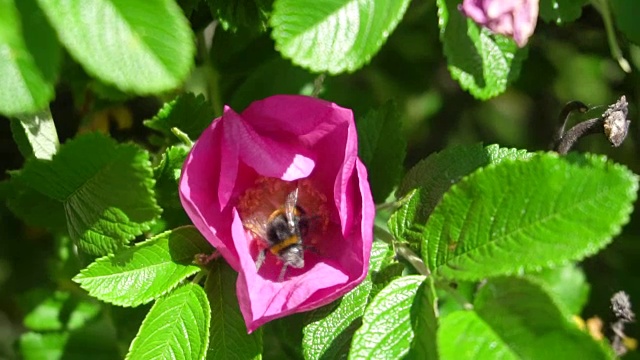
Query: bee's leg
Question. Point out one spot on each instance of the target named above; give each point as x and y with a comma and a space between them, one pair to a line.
282, 272
260, 260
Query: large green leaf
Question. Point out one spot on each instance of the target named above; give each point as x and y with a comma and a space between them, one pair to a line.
139, 274
386, 330
333, 35
176, 327
105, 188
526, 215
229, 338
382, 148
29, 59
483, 63
138, 46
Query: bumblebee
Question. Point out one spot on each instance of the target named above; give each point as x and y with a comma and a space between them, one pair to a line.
283, 232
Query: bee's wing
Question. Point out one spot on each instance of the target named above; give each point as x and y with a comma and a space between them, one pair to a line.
257, 224
290, 207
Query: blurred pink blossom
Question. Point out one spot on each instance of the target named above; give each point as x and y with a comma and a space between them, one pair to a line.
513, 18
242, 168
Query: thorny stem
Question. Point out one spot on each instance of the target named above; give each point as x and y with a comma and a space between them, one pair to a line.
413, 259
182, 136
318, 85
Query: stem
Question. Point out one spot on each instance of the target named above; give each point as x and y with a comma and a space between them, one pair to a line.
591, 126
199, 276
413, 259
184, 138
563, 118
603, 7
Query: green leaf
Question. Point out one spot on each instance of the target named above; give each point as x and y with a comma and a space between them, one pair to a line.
35, 208
188, 112
177, 327
438, 172
43, 346
386, 330
259, 84
36, 135
526, 215
141, 46
96, 339
507, 306
465, 335
483, 63
233, 14
139, 274
229, 338
106, 190
625, 15
561, 11
382, 148
167, 174
567, 285
333, 36
30, 59
329, 329
424, 323
59, 311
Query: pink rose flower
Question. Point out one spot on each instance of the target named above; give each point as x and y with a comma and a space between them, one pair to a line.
513, 18
238, 177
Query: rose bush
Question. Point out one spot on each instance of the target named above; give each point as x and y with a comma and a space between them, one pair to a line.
241, 170
513, 18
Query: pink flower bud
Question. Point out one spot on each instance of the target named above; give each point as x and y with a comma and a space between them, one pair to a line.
290, 160
513, 18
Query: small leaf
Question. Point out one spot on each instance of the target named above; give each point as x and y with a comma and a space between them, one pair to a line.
382, 148
30, 59
141, 46
177, 327
106, 190
36, 135
333, 36
188, 112
43, 346
139, 274
167, 174
229, 338
568, 286
483, 63
526, 215
625, 15
561, 11
386, 330
329, 329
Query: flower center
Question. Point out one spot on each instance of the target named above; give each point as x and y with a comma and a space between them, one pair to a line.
263, 202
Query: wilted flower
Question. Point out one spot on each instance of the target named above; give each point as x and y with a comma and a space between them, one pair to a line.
239, 175
513, 18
